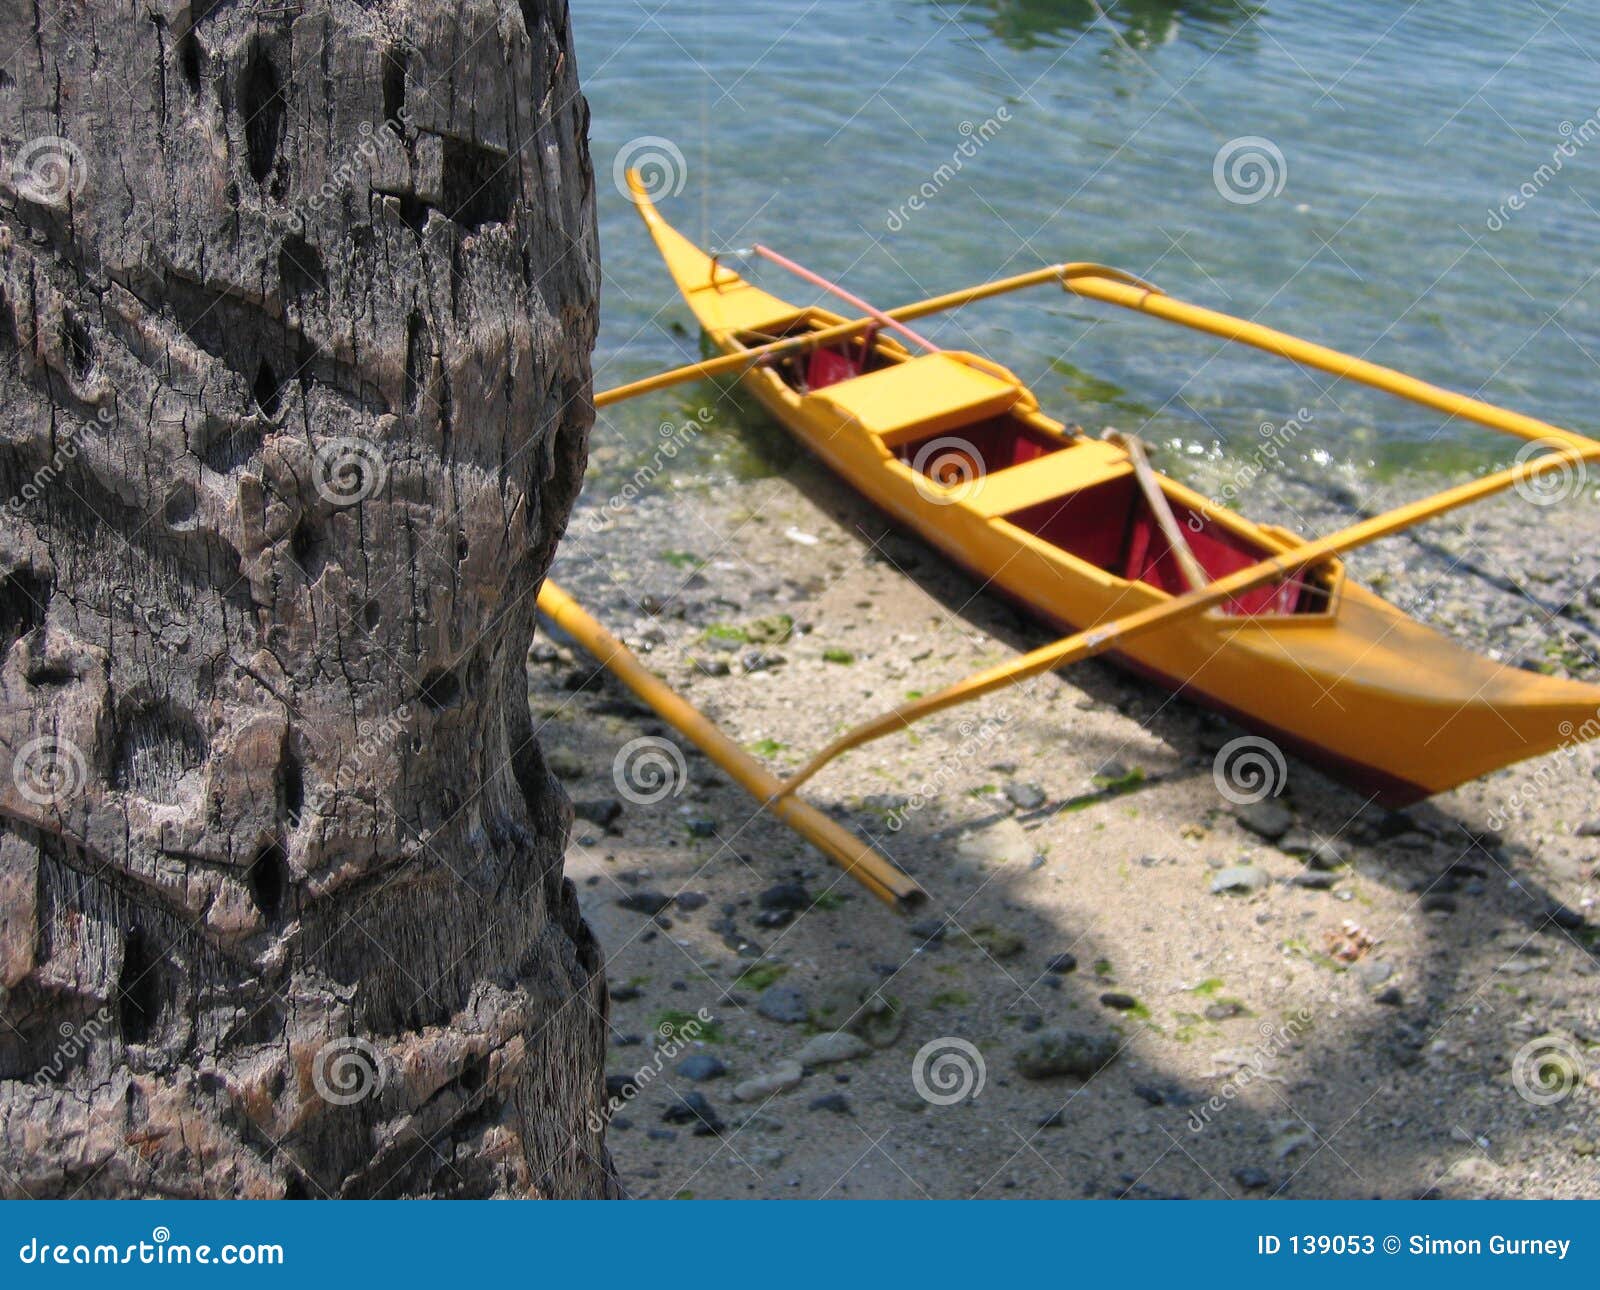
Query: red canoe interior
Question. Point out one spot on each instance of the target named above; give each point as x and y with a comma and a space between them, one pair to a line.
1108, 525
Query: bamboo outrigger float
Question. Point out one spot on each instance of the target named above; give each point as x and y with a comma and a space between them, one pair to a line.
1249, 619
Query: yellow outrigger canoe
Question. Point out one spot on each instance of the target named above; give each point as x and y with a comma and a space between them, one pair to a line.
1248, 619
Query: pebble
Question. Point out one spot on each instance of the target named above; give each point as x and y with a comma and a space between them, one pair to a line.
1390, 997
1118, 1002
1269, 818
1240, 878
764, 1157
644, 902
773, 918
838, 1103
1313, 881
791, 896
1588, 829
783, 1004
758, 1088
1372, 972
1438, 903
1563, 917
1061, 964
599, 810
1025, 797
693, 1108
1065, 1052
1223, 1010
927, 929
623, 993
690, 900
701, 827
701, 1066
1251, 1178
832, 1046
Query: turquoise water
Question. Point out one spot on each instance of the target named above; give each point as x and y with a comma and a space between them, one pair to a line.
1092, 132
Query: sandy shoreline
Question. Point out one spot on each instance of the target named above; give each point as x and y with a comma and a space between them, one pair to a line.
1356, 1023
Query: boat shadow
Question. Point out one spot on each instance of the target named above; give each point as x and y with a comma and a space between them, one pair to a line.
1222, 1081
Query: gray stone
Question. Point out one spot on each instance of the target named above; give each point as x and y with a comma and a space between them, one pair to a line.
758, 1088
830, 1047
645, 901
1025, 797
1371, 972
1252, 1178
1269, 818
855, 1003
783, 1004
701, 1066
791, 896
599, 810
1240, 878
1065, 1052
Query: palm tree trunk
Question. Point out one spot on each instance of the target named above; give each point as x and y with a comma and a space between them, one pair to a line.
296, 309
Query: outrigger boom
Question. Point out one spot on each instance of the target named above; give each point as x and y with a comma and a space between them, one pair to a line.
736, 315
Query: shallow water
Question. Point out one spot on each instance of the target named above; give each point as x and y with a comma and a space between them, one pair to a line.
1376, 222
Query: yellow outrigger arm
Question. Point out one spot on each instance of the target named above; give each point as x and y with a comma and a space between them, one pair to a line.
875, 872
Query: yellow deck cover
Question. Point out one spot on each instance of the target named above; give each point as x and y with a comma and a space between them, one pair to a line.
920, 397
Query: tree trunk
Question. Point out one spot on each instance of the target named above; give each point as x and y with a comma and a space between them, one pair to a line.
295, 320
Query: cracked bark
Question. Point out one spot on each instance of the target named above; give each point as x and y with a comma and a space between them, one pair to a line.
296, 306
